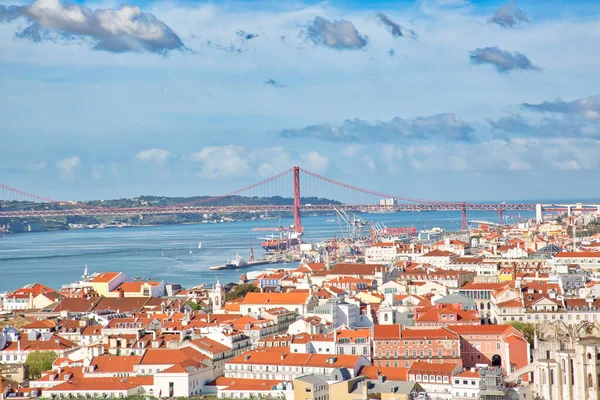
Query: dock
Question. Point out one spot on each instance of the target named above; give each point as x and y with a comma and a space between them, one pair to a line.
249, 264
254, 263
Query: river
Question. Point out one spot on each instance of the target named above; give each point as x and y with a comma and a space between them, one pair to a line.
57, 258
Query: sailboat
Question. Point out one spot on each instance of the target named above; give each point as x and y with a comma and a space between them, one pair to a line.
162, 253
190, 249
199, 245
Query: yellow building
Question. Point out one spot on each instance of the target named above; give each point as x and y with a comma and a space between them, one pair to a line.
370, 297
104, 282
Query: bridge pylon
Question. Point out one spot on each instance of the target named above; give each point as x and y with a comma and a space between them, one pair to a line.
297, 219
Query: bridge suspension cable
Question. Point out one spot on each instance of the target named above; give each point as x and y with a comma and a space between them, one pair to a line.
238, 191
366, 191
19, 194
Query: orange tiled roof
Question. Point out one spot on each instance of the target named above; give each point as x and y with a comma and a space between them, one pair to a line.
170, 356
105, 277
54, 343
259, 357
390, 373
576, 254
115, 364
103, 384
41, 324
134, 287
439, 253
275, 298
210, 345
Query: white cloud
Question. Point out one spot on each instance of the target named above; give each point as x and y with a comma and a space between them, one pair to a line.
69, 165
37, 167
352, 150
315, 161
97, 171
240, 161
155, 156
369, 162
392, 155
518, 165
570, 165
514, 155
222, 161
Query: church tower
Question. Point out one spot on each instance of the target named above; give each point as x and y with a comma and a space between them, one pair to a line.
217, 296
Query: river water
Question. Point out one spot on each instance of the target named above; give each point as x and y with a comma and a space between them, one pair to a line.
57, 258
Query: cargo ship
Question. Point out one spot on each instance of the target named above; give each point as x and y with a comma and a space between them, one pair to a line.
281, 243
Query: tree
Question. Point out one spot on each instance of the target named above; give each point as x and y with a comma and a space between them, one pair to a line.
40, 361
527, 329
240, 291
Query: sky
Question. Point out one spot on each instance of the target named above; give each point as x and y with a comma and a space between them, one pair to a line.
431, 99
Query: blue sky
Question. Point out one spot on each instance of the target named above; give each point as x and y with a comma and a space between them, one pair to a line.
446, 99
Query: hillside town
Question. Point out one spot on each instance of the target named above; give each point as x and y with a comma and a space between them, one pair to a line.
507, 312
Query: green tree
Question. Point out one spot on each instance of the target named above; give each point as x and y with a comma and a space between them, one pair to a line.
527, 329
194, 306
40, 361
240, 291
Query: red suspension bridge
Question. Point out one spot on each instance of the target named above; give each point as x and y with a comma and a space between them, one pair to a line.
352, 198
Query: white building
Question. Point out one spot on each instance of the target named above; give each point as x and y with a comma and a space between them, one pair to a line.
287, 366
381, 253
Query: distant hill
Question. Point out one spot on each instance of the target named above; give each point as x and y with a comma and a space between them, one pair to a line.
16, 225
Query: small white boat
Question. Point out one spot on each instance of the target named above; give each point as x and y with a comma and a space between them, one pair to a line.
237, 262
190, 249
199, 245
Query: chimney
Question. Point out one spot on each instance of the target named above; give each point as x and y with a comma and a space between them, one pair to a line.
19, 345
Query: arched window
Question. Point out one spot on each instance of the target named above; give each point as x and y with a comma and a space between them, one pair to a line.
590, 381
385, 317
589, 356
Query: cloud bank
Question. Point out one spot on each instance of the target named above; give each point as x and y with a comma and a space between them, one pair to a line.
587, 107
441, 126
116, 30
336, 34
509, 16
393, 27
503, 60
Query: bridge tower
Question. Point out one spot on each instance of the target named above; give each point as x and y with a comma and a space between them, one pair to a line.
297, 220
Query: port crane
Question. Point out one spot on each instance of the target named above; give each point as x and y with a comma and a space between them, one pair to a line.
355, 226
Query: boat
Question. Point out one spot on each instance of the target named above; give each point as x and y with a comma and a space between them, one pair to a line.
281, 243
330, 220
190, 249
237, 262
199, 245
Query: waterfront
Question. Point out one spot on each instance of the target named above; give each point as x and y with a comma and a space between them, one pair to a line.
56, 258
